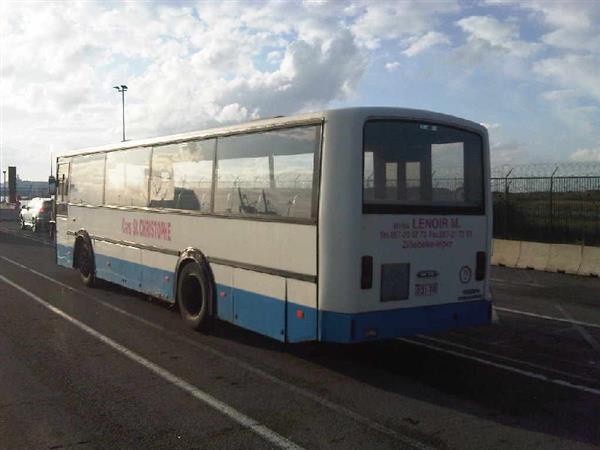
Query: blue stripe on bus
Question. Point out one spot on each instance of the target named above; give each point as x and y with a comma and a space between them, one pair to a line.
64, 255
259, 313
270, 316
224, 302
301, 323
266, 315
119, 271
150, 280
377, 325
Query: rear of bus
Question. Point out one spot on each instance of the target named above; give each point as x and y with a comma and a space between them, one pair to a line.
406, 248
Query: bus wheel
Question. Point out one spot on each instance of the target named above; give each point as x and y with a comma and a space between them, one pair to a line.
194, 294
85, 264
22, 224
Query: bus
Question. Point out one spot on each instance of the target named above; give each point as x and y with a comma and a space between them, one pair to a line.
348, 225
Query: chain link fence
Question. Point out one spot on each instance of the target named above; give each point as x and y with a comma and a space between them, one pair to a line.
551, 208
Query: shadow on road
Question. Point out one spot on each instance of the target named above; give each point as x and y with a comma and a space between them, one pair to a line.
467, 386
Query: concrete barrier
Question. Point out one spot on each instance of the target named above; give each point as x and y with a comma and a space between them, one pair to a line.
505, 252
534, 255
590, 261
564, 258
568, 258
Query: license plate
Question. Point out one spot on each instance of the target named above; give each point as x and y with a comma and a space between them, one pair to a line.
425, 290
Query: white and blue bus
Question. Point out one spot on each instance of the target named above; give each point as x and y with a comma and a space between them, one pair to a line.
347, 225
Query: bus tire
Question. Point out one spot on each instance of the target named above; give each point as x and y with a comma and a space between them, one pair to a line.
22, 224
195, 293
85, 264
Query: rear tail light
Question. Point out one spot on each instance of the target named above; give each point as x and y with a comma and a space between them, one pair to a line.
41, 210
481, 266
366, 272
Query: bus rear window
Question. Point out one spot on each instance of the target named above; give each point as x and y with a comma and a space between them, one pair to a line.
416, 167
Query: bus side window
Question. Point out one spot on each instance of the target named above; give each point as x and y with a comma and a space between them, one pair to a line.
181, 175
62, 191
127, 177
268, 173
87, 179
62, 197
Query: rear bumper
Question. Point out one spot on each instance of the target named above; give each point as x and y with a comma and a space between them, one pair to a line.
380, 325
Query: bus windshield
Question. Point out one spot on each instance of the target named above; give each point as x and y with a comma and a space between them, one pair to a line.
417, 167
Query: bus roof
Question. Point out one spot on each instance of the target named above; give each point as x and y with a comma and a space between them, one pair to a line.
363, 112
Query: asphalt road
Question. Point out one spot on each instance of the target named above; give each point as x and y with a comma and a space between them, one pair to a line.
108, 368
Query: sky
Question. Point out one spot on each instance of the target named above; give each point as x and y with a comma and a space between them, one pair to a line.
529, 71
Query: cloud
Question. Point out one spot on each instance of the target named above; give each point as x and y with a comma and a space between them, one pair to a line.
195, 65
425, 42
573, 71
186, 68
560, 95
233, 112
570, 66
491, 126
489, 33
575, 16
557, 14
183, 96
586, 154
573, 39
381, 21
275, 56
575, 109
569, 25
506, 153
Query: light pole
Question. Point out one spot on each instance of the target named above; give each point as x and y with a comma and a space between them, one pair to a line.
4, 172
122, 90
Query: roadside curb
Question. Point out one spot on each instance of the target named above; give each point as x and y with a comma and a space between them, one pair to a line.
548, 257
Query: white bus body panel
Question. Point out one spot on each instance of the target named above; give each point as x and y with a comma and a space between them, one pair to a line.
288, 247
251, 299
348, 313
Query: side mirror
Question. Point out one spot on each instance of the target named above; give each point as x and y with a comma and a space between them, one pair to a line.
51, 185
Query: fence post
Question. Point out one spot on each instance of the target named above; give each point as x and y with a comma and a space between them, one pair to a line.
552, 203
506, 207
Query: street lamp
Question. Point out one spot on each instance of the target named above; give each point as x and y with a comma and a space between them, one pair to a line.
4, 172
122, 90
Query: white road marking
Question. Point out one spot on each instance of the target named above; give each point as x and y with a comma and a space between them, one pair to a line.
85, 294
520, 283
495, 317
537, 376
542, 316
506, 358
339, 409
242, 419
582, 331
26, 236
